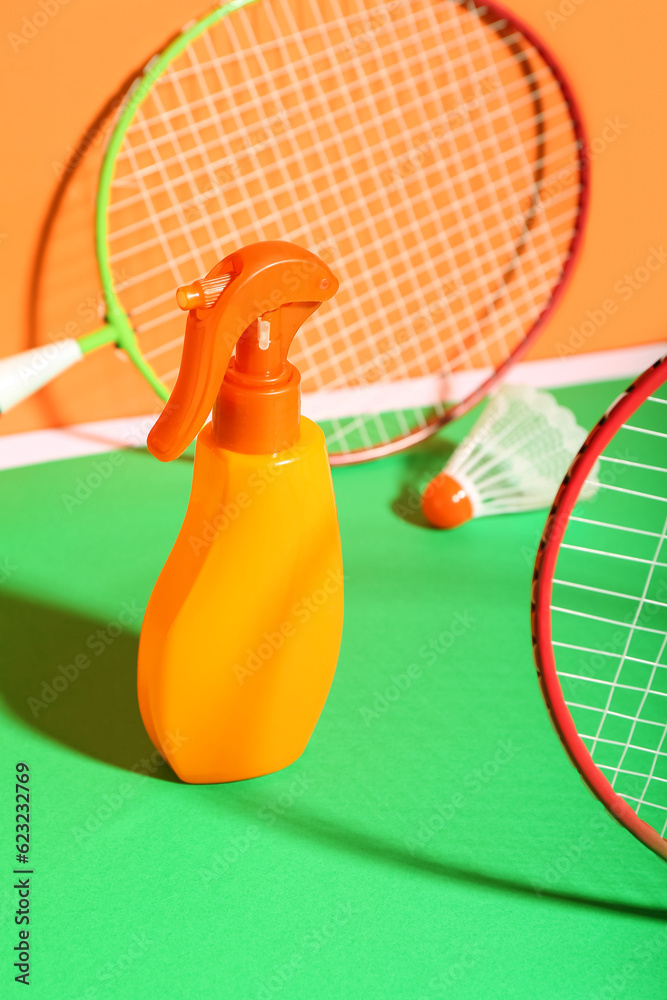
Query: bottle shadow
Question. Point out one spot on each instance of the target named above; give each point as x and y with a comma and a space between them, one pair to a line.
93, 709
73, 679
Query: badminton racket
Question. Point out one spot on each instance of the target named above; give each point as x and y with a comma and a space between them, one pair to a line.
430, 151
599, 610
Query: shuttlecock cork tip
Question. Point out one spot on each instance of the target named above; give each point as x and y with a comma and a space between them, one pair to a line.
445, 503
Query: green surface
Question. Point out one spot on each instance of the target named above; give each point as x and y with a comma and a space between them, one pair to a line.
433, 841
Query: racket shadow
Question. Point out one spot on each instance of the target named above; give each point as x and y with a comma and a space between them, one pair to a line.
80, 168
91, 709
355, 842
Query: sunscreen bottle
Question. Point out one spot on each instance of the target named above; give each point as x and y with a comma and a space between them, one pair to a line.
242, 631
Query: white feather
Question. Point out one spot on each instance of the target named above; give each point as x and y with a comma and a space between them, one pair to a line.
518, 452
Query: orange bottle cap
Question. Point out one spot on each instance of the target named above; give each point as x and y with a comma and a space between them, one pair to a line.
252, 302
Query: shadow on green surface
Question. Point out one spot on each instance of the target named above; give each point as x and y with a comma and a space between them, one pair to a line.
92, 708
350, 841
96, 713
419, 465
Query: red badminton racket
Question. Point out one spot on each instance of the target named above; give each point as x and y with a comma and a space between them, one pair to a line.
599, 610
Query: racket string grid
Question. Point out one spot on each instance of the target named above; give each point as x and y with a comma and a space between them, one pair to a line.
609, 614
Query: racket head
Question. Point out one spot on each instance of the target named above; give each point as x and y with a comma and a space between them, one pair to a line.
430, 151
599, 613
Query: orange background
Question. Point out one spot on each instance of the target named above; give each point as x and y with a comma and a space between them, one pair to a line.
59, 81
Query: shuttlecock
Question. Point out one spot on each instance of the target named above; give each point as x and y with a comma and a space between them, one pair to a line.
514, 459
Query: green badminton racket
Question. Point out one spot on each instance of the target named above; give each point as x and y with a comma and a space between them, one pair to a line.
429, 151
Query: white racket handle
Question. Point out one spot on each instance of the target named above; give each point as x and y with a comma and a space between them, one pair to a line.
24, 374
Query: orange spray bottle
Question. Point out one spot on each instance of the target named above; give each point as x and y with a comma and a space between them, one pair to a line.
241, 634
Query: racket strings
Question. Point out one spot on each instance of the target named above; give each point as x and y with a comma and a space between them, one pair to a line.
421, 283
375, 225
536, 169
210, 173
165, 300
487, 247
152, 146
279, 122
645, 691
465, 271
147, 246
609, 615
236, 95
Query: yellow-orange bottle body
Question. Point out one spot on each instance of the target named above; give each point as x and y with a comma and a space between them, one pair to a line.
242, 632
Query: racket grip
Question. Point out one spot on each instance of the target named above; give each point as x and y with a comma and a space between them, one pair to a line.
25, 373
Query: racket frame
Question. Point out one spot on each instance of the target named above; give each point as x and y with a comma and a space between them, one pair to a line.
542, 587
118, 329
